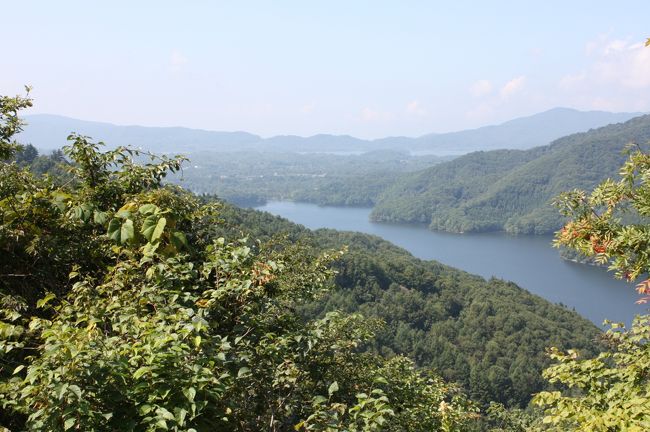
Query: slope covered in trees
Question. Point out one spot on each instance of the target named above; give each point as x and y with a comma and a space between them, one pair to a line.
434, 314
131, 305
509, 190
488, 335
121, 308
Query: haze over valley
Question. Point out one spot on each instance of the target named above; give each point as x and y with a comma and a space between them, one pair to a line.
325, 216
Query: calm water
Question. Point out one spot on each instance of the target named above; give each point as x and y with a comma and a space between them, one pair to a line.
529, 261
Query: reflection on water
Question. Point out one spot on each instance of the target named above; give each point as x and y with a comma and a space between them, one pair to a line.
529, 261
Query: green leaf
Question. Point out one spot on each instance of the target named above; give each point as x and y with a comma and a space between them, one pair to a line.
86, 212
190, 393
113, 230
68, 423
148, 209
45, 300
149, 249
164, 413
243, 372
123, 214
380, 380
180, 416
100, 217
60, 390
60, 199
126, 231
18, 369
334, 387
158, 231
179, 240
145, 409
148, 226
77, 212
76, 390
141, 371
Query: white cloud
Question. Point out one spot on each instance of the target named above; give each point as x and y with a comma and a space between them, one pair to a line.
414, 108
308, 108
616, 76
372, 115
512, 87
615, 46
619, 62
481, 88
368, 114
177, 60
572, 80
627, 65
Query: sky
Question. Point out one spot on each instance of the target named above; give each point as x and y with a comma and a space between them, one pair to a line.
364, 68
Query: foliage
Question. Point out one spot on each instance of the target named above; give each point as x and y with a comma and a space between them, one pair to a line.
10, 123
489, 336
509, 190
501, 419
608, 393
121, 308
598, 229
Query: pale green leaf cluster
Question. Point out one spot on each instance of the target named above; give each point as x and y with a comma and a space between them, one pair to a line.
608, 393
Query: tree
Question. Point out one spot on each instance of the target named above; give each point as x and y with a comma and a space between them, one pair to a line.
599, 224
10, 123
120, 309
608, 393
26, 155
612, 391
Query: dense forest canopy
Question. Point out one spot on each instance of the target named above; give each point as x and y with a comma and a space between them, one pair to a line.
509, 190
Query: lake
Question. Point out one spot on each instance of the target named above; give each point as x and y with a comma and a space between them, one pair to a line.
529, 261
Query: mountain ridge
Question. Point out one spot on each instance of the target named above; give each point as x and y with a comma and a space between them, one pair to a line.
49, 131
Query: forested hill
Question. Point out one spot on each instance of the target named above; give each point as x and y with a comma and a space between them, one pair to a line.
49, 131
490, 336
510, 190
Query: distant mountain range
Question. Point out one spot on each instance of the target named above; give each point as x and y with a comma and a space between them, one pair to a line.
47, 132
510, 190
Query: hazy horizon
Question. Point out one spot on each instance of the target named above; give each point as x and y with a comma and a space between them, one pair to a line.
365, 69
180, 126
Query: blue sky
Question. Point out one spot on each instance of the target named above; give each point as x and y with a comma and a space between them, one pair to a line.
365, 68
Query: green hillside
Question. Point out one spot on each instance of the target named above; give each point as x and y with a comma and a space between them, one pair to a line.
508, 189
488, 335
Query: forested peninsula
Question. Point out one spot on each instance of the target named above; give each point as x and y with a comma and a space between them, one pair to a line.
510, 190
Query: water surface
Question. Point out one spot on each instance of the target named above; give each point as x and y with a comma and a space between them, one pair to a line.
529, 261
